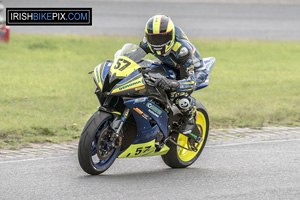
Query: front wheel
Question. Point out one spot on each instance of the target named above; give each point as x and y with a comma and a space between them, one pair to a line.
95, 154
178, 157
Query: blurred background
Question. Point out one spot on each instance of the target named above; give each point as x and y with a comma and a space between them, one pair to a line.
46, 94
255, 19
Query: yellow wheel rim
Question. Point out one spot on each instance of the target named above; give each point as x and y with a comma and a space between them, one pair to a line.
186, 155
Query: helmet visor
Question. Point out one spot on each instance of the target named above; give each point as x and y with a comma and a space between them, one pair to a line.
159, 39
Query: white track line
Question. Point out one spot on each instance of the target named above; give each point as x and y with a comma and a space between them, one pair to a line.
30, 159
246, 143
208, 146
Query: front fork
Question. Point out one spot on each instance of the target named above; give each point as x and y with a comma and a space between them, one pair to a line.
117, 125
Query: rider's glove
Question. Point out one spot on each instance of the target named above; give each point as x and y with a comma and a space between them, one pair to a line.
150, 82
167, 84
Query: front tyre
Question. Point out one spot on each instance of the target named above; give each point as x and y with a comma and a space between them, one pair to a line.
95, 154
178, 157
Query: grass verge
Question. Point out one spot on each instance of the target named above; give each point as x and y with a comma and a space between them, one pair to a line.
46, 94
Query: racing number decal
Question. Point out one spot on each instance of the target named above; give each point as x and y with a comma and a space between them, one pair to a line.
140, 150
123, 67
121, 62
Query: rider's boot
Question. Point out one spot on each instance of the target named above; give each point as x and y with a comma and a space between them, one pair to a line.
189, 124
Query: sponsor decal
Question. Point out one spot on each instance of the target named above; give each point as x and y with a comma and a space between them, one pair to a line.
126, 114
154, 110
141, 113
174, 95
129, 85
157, 49
140, 100
153, 113
140, 88
186, 86
142, 91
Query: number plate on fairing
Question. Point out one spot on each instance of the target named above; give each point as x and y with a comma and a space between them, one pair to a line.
123, 66
142, 150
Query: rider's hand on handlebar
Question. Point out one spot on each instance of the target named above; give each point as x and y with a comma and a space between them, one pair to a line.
163, 84
167, 84
149, 80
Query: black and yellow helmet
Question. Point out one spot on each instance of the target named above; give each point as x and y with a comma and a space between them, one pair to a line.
160, 34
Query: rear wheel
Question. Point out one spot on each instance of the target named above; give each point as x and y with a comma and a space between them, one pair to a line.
95, 152
178, 157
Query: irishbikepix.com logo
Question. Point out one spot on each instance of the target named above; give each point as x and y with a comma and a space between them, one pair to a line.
49, 16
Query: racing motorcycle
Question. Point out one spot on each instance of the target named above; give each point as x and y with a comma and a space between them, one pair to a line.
136, 119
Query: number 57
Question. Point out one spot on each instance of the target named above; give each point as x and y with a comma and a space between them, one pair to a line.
140, 150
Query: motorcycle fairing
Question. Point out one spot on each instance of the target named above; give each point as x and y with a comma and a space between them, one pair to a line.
150, 109
209, 63
144, 144
131, 83
143, 150
100, 73
123, 67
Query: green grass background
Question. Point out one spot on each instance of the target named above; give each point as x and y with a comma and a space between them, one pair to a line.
46, 94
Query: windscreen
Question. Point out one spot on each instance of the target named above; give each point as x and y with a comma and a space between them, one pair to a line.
126, 49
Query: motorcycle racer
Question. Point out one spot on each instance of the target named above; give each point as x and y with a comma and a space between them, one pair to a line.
172, 47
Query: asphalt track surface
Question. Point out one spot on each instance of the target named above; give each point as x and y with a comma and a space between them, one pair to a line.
251, 19
261, 170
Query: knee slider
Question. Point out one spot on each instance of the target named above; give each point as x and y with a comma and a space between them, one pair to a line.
183, 103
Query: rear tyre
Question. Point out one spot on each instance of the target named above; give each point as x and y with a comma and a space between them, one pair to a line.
178, 157
95, 155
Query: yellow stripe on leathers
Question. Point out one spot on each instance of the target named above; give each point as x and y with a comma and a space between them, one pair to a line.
176, 46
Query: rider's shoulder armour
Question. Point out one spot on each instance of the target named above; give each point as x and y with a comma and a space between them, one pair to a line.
182, 47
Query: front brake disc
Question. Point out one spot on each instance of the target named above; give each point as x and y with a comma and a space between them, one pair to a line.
104, 147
